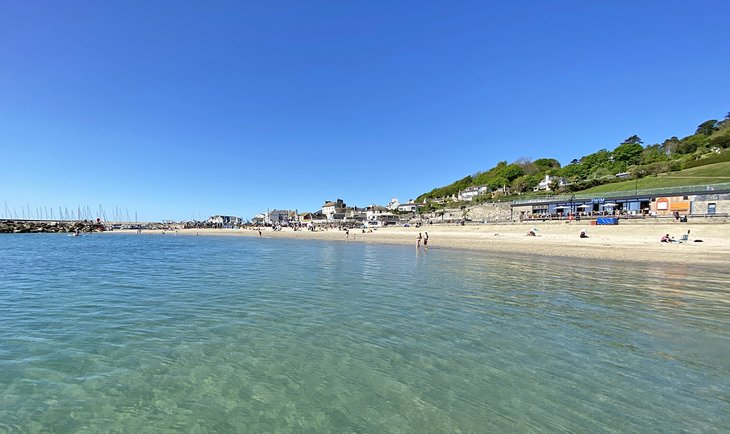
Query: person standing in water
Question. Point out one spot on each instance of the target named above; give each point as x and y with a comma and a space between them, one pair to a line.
418, 240
425, 240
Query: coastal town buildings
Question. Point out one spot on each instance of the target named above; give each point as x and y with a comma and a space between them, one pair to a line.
355, 214
334, 210
224, 221
710, 201
281, 217
308, 217
378, 216
468, 194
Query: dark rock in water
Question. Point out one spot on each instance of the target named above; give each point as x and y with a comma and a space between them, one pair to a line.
9, 226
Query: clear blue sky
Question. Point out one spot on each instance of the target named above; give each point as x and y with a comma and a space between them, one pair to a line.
177, 109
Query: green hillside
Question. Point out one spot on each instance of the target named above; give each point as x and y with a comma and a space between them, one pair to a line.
710, 174
704, 156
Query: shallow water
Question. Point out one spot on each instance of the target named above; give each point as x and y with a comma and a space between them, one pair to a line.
125, 333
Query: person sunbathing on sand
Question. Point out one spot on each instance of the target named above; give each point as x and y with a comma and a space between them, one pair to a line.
666, 239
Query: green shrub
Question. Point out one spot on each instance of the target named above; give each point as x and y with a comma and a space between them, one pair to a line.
721, 141
717, 158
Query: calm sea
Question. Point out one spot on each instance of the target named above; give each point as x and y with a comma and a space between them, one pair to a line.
127, 333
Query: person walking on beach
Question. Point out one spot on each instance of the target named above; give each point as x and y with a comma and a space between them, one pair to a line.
347, 233
418, 241
425, 240
259, 233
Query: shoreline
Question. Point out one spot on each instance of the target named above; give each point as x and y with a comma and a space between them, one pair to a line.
627, 242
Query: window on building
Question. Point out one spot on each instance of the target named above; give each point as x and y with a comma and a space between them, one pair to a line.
711, 208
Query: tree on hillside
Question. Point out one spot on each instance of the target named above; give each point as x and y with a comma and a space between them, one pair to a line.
497, 183
690, 144
707, 127
523, 161
634, 140
721, 141
670, 145
509, 172
544, 164
628, 154
528, 167
652, 154
520, 185
597, 159
574, 172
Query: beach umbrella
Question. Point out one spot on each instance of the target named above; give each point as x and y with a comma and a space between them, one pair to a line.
610, 204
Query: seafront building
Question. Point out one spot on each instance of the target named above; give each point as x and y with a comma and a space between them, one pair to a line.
334, 210
379, 216
224, 221
281, 217
685, 202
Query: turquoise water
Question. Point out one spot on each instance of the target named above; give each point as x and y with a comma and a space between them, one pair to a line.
117, 333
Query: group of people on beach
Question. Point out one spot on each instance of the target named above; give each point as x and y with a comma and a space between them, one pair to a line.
667, 239
422, 238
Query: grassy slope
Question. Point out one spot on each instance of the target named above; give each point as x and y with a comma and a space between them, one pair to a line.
710, 174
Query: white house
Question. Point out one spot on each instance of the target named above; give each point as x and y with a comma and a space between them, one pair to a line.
544, 185
410, 206
378, 216
281, 217
334, 210
224, 221
469, 193
393, 204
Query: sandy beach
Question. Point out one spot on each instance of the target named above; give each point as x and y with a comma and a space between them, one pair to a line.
629, 241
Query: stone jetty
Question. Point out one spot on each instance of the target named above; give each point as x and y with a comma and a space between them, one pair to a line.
28, 226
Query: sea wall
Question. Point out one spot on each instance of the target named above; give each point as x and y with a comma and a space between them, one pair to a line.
27, 226
491, 212
496, 212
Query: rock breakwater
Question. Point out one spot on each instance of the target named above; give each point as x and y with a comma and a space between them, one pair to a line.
26, 226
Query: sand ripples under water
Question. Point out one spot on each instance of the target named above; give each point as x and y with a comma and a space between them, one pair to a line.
150, 334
